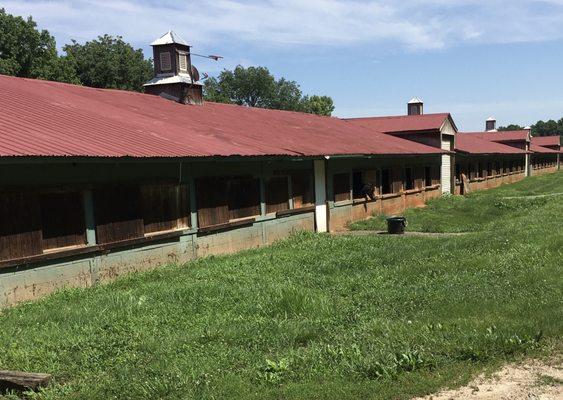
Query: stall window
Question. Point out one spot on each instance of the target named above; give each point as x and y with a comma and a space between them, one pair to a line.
341, 186
277, 194
397, 179
386, 181
62, 220
419, 177
118, 212
20, 226
212, 204
244, 197
365, 184
302, 189
409, 179
165, 207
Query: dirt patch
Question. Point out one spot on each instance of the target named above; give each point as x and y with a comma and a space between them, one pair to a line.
407, 233
534, 196
532, 380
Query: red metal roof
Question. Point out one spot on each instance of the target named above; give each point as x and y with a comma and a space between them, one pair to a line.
540, 149
547, 140
41, 118
473, 144
402, 123
503, 136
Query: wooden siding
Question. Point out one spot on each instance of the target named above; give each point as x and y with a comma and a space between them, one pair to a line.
62, 219
118, 214
20, 226
277, 194
222, 199
165, 207
212, 206
244, 197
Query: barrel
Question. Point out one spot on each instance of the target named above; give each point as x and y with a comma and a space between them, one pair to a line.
396, 225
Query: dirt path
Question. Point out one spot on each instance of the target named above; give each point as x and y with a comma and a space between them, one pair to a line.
407, 233
533, 196
532, 380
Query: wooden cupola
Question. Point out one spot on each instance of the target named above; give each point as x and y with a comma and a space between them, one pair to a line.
415, 107
491, 124
175, 77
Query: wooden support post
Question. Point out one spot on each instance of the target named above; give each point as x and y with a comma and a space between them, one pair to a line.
89, 218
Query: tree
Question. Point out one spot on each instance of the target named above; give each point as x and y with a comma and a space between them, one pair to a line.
252, 86
549, 128
109, 62
511, 127
257, 87
29, 53
321, 105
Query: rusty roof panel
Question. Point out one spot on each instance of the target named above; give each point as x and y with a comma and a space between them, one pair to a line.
402, 123
42, 118
540, 149
547, 140
473, 144
502, 136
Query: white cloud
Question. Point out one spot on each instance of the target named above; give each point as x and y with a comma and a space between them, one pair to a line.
411, 24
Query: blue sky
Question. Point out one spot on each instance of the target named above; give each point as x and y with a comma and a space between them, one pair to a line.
473, 58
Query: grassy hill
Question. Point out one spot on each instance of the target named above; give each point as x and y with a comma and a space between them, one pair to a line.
314, 316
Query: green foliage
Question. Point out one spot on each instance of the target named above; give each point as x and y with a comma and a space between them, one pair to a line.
511, 127
540, 128
548, 128
106, 62
257, 87
27, 52
320, 105
109, 62
314, 316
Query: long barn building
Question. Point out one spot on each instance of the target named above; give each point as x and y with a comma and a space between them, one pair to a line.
96, 183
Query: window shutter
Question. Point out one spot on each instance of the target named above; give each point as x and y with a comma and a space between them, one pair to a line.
183, 63
165, 61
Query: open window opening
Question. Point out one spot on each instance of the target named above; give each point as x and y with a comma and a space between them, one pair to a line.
341, 186
409, 179
386, 187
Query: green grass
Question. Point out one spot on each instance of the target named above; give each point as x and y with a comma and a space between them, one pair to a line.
311, 317
482, 210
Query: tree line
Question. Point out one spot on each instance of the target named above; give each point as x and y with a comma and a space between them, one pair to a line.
110, 62
540, 128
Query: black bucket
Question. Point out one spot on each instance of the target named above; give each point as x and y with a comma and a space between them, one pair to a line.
396, 225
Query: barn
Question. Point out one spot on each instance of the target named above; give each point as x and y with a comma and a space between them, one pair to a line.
97, 183
546, 155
